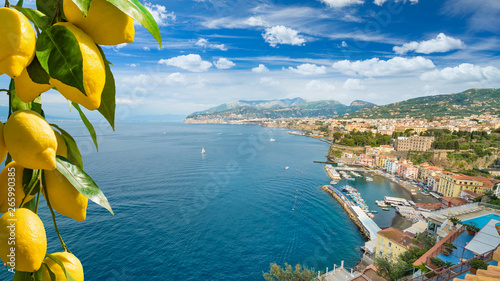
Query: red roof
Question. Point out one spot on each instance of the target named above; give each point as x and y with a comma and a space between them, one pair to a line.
454, 201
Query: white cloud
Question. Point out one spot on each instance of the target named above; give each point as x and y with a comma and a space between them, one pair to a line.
146, 48
377, 67
308, 69
260, 69
354, 84
191, 62
342, 3
344, 44
175, 78
202, 42
440, 44
131, 65
224, 63
160, 14
381, 2
465, 72
283, 35
140, 79
320, 86
268, 81
256, 21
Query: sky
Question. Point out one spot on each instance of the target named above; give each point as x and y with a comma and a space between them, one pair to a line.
380, 51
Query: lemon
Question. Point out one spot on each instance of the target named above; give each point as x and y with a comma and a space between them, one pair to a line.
3, 147
62, 148
17, 49
64, 197
105, 23
71, 263
11, 187
30, 140
94, 74
26, 89
30, 240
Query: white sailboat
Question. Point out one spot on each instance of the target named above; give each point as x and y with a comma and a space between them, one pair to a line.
203, 150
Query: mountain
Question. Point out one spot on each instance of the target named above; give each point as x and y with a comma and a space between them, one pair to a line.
261, 104
274, 109
473, 101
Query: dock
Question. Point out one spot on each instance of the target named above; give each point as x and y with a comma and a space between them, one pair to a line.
332, 173
325, 162
366, 225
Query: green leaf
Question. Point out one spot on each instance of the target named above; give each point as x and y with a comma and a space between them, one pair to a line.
29, 177
36, 105
22, 276
59, 262
20, 3
37, 73
15, 102
87, 124
48, 7
51, 274
38, 18
74, 155
108, 102
38, 274
59, 54
83, 5
139, 13
82, 182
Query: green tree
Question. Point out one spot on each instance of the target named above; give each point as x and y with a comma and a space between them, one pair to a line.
299, 273
389, 269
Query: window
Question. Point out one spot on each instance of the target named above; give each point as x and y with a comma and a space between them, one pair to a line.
390, 244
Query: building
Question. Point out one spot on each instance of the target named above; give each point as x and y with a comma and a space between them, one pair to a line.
468, 195
449, 202
451, 185
347, 154
391, 241
415, 143
426, 171
433, 182
386, 149
392, 166
408, 171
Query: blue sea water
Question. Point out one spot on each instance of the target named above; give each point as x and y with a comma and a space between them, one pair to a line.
225, 215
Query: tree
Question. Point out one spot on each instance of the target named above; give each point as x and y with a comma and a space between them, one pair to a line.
300, 273
389, 269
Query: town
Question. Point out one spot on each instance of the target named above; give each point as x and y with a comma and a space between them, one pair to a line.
449, 238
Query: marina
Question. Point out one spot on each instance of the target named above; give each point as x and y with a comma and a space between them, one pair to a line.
332, 173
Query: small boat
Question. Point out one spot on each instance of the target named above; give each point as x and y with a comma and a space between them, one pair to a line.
334, 182
272, 140
370, 215
286, 168
385, 209
374, 212
369, 179
203, 150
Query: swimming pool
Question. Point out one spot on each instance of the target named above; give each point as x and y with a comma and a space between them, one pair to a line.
482, 220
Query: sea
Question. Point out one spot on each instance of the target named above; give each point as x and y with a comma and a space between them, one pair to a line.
223, 215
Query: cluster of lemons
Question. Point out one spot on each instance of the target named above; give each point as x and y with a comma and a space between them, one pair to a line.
30, 140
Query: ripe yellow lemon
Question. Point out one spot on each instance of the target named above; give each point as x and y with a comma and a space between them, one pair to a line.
26, 89
105, 23
17, 49
30, 140
3, 147
30, 240
94, 73
71, 263
64, 197
11, 187
62, 148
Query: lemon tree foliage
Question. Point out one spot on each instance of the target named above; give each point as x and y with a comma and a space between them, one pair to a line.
55, 46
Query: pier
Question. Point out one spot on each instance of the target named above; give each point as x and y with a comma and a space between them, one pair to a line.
366, 225
325, 162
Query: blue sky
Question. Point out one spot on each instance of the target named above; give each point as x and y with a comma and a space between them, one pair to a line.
381, 51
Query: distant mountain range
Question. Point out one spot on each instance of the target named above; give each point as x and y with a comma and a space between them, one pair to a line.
473, 101
274, 109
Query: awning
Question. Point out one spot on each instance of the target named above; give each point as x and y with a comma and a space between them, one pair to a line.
486, 239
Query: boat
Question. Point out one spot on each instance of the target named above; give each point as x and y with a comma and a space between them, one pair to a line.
381, 203
374, 212
385, 209
369, 179
334, 182
272, 140
203, 150
371, 216
286, 168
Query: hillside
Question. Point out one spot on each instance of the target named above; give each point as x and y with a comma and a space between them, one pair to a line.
294, 108
473, 101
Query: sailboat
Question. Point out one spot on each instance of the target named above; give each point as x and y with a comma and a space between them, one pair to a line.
203, 150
